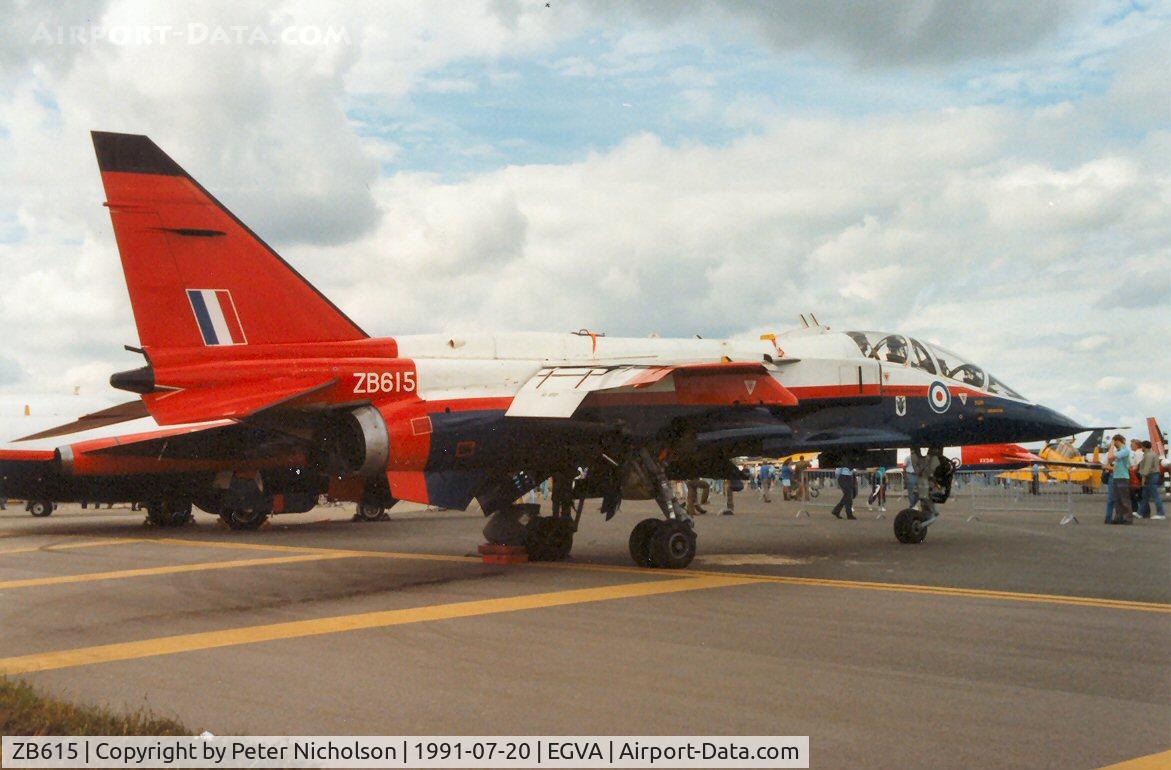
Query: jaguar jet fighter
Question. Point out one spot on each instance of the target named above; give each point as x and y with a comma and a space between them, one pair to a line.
258, 394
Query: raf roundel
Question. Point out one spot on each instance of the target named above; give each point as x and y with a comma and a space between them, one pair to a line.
939, 397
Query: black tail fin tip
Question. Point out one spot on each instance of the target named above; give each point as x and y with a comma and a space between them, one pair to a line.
1092, 441
132, 153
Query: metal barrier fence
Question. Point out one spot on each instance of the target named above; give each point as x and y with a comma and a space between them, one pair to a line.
975, 492
819, 489
983, 491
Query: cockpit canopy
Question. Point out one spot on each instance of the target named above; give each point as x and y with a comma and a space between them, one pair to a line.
933, 359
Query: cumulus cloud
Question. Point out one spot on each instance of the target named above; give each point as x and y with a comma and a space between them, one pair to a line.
29, 31
915, 223
907, 32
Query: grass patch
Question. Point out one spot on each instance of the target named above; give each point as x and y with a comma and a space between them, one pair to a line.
24, 711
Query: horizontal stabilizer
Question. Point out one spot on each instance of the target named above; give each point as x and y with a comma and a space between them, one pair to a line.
232, 402
131, 410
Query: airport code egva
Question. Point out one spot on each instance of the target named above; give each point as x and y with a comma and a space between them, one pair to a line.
209, 751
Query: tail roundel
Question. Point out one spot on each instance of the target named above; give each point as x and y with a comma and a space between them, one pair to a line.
196, 274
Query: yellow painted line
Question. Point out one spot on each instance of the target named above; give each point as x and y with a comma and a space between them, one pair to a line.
62, 546
912, 588
971, 593
974, 593
86, 577
1160, 761
897, 588
315, 549
170, 645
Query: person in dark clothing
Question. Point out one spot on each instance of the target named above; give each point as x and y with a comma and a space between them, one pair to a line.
849, 486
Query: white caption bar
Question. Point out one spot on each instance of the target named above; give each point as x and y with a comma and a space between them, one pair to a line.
643, 751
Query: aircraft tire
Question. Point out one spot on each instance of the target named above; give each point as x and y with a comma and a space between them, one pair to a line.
672, 545
40, 508
905, 529
640, 541
370, 512
549, 539
240, 519
169, 514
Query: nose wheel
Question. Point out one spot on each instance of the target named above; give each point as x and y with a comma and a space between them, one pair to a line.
911, 525
662, 543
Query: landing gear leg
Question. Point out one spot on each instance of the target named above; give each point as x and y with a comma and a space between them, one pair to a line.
666, 543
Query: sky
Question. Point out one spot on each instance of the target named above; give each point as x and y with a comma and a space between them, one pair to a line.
991, 176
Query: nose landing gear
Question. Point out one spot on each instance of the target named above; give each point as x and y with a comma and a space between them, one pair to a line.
911, 525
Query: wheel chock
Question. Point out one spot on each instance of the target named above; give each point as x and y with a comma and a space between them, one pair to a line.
491, 553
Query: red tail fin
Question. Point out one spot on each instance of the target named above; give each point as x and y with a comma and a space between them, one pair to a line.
197, 275
1157, 442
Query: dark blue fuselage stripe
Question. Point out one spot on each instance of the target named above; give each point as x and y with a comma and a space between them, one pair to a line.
203, 317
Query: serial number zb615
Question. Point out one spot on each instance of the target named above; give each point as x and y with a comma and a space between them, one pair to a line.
384, 382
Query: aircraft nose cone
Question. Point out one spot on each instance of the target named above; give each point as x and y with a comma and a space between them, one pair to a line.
1054, 424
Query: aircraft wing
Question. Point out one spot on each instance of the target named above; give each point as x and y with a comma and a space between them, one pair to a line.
1072, 464
738, 433
841, 438
13, 457
559, 391
1024, 457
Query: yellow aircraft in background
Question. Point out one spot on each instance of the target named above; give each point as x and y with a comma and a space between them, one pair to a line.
1063, 462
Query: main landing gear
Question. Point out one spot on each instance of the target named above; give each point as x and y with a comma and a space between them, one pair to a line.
371, 512
666, 543
545, 538
40, 508
550, 538
669, 542
662, 543
169, 513
243, 519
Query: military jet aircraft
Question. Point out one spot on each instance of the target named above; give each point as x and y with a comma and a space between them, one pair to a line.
258, 394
